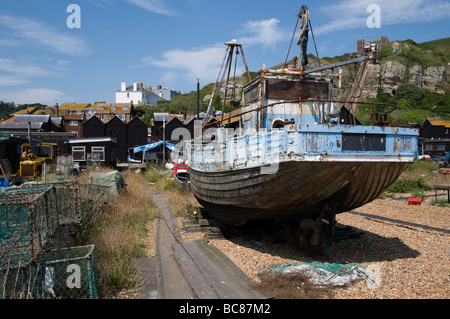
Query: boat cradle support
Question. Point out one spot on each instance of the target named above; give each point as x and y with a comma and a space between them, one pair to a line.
315, 233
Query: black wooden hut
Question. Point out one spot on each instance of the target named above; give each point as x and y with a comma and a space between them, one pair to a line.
137, 133
117, 129
93, 127
89, 152
169, 127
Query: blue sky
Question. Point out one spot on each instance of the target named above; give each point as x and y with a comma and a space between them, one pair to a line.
161, 42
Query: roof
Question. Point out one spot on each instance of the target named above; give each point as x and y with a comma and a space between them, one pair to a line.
171, 120
21, 125
92, 140
73, 117
116, 108
31, 118
438, 122
74, 106
28, 110
161, 117
57, 120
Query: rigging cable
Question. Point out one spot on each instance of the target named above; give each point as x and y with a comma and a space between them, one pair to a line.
293, 35
312, 33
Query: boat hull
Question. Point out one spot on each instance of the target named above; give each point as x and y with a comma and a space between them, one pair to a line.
298, 189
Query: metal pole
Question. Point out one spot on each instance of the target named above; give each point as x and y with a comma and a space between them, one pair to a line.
29, 133
198, 97
164, 141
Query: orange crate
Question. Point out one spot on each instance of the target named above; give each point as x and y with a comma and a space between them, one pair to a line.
414, 201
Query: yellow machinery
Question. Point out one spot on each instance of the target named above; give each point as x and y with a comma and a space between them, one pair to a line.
34, 156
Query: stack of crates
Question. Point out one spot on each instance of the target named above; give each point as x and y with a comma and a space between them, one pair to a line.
28, 221
35, 258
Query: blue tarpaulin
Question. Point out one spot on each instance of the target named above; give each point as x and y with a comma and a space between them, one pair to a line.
149, 147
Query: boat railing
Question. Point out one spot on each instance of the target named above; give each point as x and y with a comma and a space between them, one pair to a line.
320, 105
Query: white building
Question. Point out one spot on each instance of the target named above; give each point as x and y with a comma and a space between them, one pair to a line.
165, 93
136, 94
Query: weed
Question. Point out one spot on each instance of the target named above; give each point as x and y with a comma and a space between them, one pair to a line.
408, 185
118, 233
441, 203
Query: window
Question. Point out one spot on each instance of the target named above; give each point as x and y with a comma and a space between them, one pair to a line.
98, 153
78, 153
121, 116
73, 123
125, 108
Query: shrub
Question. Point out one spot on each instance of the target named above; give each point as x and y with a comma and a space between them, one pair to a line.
409, 185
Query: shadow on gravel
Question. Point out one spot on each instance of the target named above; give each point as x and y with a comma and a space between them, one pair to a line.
366, 247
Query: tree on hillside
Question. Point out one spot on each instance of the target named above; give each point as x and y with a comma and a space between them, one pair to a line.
410, 92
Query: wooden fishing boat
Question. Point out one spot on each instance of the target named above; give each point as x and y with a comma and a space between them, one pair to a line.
294, 155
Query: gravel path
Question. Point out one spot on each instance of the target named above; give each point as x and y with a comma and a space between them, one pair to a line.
406, 262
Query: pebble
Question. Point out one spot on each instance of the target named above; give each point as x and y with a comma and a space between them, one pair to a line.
408, 262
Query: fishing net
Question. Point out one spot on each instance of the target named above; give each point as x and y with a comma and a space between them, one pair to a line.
326, 274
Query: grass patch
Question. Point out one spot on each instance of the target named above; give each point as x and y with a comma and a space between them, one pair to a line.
409, 185
441, 203
118, 233
180, 202
423, 167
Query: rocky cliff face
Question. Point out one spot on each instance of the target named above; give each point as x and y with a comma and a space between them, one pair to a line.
388, 75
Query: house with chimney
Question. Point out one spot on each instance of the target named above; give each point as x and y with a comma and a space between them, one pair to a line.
166, 93
107, 111
137, 94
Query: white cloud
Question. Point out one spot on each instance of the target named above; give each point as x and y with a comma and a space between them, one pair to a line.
19, 72
204, 61
264, 32
11, 80
349, 14
22, 69
29, 96
38, 33
156, 6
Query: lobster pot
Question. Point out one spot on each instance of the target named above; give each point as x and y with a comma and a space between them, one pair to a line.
70, 273
28, 220
67, 197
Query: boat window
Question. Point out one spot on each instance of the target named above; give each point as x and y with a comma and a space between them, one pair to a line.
364, 142
278, 124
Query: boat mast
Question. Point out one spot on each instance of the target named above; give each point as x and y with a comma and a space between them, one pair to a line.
225, 70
